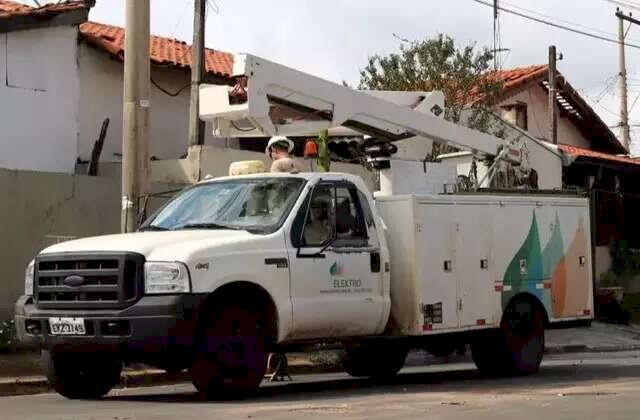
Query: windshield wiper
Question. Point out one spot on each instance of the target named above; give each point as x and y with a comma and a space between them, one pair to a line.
152, 228
206, 226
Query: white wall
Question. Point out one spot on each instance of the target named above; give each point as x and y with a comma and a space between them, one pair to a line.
101, 79
39, 90
537, 118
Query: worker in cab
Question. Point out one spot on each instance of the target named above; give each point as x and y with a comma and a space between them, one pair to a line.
279, 150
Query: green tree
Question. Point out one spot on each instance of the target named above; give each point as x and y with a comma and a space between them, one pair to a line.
461, 73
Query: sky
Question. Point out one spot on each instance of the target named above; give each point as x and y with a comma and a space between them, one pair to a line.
334, 38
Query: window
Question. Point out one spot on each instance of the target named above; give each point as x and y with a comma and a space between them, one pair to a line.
335, 214
516, 114
260, 205
317, 229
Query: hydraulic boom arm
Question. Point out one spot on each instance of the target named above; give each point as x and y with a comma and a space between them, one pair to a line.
249, 111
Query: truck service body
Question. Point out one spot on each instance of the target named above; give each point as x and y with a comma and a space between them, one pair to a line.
235, 267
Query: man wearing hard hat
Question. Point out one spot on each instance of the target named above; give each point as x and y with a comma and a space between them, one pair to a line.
279, 150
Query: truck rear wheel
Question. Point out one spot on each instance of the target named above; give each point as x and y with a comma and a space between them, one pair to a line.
81, 376
517, 347
230, 357
380, 360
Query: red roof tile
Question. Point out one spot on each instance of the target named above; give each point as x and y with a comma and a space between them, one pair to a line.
580, 152
10, 9
164, 51
511, 80
7, 7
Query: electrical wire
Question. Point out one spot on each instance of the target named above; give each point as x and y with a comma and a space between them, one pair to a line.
628, 4
568, 22
166, 92
180, 17
244, 130
556, 25
633, 103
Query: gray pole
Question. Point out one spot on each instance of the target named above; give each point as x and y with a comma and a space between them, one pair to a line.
136, 106
624, 116
197, 127
553, 111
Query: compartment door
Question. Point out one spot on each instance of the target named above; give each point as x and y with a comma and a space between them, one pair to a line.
436, 264
474, 226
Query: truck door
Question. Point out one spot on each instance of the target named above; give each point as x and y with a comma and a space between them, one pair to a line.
336, 278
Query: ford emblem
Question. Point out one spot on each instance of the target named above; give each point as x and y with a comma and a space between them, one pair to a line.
74, 281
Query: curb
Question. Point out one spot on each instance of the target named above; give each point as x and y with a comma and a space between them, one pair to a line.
581, 348
153, 377
136, 379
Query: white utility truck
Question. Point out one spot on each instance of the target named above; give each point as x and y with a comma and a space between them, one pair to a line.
235, 267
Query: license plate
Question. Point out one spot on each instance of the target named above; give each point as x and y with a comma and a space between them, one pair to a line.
67, 326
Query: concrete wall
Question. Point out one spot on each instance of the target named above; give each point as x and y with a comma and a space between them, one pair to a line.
39, 91
537, 118
602, 261
101, 79
38, 207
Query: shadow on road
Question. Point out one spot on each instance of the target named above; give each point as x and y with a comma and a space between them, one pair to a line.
449, 381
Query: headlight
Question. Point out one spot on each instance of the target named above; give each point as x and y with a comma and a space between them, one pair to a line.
166, 277
28, 278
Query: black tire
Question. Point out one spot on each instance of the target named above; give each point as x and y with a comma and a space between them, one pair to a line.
81, 376
379, 360
517, 347
230, 359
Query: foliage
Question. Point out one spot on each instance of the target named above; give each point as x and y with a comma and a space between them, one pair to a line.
625, 265
462, 74
8, 340
624, 260
631, 305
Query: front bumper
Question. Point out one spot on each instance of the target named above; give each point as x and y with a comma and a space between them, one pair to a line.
154, 324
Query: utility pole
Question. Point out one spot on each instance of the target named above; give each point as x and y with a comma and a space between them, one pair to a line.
553, 110
136, 107
196, 126
495, 35
624, 113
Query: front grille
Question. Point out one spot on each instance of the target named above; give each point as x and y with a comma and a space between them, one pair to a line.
88, 281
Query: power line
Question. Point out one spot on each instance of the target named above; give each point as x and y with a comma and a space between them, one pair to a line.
627, 4
568, 22
555, 25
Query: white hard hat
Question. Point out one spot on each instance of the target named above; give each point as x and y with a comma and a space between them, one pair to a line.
279, 139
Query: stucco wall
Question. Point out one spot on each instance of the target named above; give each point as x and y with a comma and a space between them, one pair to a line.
39, 90
38, 206
101, 79
537, 118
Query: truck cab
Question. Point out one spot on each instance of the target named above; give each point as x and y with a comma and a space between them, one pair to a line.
302, 256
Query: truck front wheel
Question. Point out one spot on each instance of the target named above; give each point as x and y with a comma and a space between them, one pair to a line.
517, 347
230, 356
379, 360
79, 375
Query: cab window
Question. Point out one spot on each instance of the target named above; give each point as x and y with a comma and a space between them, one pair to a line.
334, 209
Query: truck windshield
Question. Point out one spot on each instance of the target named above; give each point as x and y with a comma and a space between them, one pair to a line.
259, 205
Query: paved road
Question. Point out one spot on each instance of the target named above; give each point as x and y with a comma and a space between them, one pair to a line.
578, 386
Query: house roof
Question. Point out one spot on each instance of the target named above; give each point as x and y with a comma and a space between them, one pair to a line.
511, 80
10, 9
587, 154
164, 51
569, 101
17, 16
